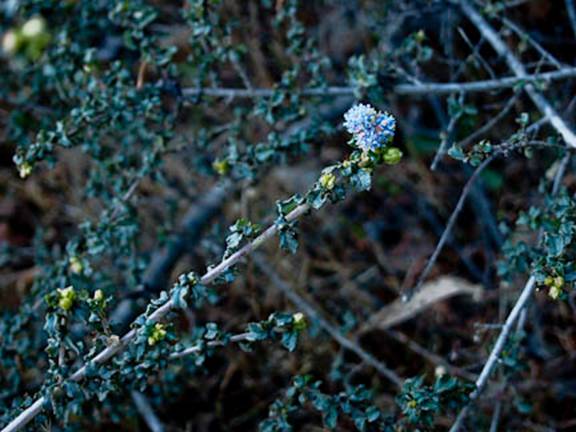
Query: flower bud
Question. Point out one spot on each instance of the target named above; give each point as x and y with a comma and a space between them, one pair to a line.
328, 181
392, 155
365, 161
11, 42
66, 297
420, 36
33, 27
98, 295
76, 265
555, 291
221, 166
157, 334
24, 169
299, 321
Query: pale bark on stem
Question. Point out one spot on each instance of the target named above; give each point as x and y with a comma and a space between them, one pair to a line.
502, 149
519, 70
399, 89
571, 9
32, 411
514, 316
496, 350
146, 411
197, 348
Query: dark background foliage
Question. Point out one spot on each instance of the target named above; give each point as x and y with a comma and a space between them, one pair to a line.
142, 140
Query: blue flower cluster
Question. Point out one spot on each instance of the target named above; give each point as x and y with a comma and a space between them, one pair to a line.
370, 129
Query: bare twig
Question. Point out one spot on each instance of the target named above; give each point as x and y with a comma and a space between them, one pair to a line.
496, 350
147, 413
520, 71
430, 356
502, 149
421, 88
314, 315
524, 34
513, 317
496, 417
447, 136
572, 14
490, 123
447, 231
560, 173
474, 55
197, 348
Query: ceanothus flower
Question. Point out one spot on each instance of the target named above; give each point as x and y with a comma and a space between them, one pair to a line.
370, 129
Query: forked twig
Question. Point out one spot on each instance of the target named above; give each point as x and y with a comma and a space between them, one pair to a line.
106, 354
512, 318
520, 71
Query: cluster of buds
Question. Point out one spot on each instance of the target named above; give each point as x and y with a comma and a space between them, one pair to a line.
221, 166
555, 285
328, 181
31, 38
24, 170
157, 334
66, 298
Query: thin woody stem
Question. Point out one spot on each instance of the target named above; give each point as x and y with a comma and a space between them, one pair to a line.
514, 316
420, 88
520, 71
106, 354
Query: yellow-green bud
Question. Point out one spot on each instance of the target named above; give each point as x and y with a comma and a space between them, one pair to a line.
221, 166
555, 291
192, 278
328, 181
11, 42
392, 155
299, 321
33, 27
76, 265
157, 334
420, 36
66, 297
98, 295
24, 170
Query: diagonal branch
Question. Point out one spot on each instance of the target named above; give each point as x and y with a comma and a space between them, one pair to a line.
496, 350
502, 149
512, 318
311, 312
145, 409
520, 71
571, 14
106, 354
